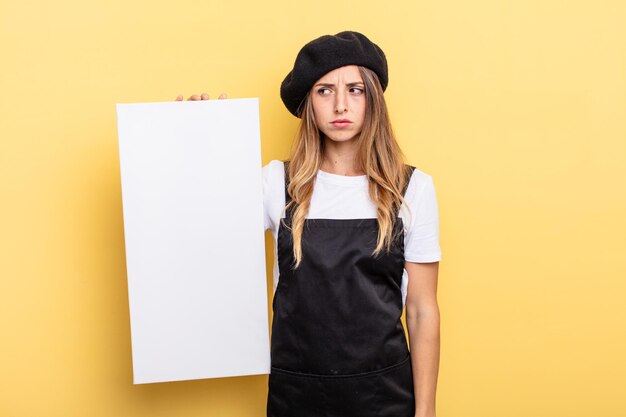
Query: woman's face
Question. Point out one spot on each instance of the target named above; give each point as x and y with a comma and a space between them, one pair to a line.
338, 100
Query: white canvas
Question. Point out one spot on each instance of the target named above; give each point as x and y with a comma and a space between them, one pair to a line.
195, 252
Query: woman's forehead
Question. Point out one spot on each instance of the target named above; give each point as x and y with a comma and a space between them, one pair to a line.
349, 74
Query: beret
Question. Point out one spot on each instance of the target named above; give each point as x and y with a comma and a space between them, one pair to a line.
325, 54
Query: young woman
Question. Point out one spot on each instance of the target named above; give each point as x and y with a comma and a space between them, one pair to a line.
356, 240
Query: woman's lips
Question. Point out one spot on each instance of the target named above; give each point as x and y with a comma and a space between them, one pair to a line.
341, 123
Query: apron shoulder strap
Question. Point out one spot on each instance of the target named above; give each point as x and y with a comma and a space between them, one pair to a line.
410, 169
287, 195
409, 173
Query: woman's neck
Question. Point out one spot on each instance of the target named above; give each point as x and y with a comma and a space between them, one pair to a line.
340, 158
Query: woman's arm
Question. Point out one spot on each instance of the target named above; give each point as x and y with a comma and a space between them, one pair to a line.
422, 319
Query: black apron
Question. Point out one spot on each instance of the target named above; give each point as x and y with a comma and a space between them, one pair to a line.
338, 346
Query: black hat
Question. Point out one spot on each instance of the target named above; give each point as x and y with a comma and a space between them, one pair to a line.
325, 54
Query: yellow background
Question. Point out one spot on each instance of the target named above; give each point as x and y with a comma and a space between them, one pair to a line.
516, 108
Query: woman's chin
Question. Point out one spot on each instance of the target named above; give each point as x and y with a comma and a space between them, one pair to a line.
341, 138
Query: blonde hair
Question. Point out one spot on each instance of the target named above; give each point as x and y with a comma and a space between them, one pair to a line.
379, 156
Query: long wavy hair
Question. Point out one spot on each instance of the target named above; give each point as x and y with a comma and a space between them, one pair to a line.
379, 156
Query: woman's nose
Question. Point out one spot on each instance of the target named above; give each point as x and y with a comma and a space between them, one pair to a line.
341, 105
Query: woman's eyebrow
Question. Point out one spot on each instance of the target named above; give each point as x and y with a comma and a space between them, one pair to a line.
332, 85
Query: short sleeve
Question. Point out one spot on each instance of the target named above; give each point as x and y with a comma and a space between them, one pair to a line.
273, 194
422, 225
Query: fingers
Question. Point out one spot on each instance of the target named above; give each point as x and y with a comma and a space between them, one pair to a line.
198, 97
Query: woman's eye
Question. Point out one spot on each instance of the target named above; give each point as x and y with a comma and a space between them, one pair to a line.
357, 90
323, 90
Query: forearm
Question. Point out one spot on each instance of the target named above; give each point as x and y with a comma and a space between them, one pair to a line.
424, 342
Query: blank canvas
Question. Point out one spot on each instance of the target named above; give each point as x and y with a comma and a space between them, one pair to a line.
195, 252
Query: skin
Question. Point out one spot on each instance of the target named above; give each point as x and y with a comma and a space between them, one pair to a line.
339, 95
197, 97
422, 321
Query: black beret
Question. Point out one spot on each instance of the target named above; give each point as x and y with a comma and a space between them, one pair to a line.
325, 54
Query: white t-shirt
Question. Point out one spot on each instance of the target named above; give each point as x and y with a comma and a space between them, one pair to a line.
347, 197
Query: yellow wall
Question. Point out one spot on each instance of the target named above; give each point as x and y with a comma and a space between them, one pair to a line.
517, 108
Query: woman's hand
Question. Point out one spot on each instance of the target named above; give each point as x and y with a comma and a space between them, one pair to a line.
203, 96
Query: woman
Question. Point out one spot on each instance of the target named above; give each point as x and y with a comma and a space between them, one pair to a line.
356, 238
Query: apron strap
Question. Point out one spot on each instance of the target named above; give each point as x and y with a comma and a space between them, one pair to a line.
287, 195
406, 185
